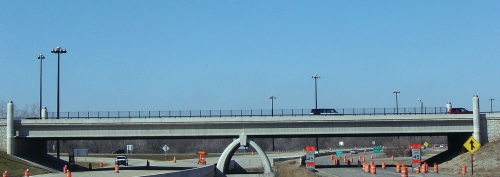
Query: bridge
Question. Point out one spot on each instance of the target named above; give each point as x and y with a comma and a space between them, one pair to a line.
29, 136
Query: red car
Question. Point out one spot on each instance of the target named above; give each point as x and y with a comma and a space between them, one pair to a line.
459, 111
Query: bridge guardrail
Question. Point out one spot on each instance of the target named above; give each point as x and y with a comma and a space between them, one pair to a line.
243, 113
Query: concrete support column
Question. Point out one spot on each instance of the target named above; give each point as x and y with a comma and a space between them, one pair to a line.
448, 106
10, 129
227, 154
476, 119
44, 113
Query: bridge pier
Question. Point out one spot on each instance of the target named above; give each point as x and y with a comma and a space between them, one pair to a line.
225, 158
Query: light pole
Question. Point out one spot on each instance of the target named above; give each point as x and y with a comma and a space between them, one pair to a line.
316, 77
40, 57
491, 105
58, 50
396, 92
272, 104
421, 106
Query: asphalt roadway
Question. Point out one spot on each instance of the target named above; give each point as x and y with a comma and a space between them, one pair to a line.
325, 168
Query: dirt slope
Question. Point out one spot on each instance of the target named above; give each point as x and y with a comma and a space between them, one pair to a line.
486, 161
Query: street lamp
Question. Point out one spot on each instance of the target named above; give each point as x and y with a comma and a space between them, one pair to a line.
396, 92
491, 105
272, 104
316, 77
58, 50
40, 57
421, 106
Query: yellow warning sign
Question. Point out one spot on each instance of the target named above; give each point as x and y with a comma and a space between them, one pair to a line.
426, 144
471, 145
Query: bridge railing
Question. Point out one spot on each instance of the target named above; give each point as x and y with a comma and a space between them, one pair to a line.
242, 113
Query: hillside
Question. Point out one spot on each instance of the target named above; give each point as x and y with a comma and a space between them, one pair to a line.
16, 167
486, 161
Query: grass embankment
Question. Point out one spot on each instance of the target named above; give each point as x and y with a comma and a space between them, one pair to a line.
16, 167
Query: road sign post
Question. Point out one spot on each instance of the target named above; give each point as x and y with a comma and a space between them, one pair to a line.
310, 163
165, 148
472, 145
415, 155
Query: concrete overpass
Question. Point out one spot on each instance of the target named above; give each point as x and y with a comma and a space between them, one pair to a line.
28, 136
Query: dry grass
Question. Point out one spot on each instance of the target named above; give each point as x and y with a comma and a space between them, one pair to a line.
291, 168
16, 168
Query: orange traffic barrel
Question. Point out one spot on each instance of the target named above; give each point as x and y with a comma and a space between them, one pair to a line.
464, 169
359, 163
278, 151
398, 167
252, 153
365, 150
27, 173
68, 173
436, 168
404, 171
345, 159
4, 174
373, 169
392, 158
101, 164
117, 169
65, 168
331, 157
175, 160
383, 165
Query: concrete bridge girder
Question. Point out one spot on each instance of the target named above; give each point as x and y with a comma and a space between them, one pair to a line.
225, 158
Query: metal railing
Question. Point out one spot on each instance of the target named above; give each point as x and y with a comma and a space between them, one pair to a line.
242, 113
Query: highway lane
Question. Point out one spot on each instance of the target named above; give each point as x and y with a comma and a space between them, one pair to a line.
343, 170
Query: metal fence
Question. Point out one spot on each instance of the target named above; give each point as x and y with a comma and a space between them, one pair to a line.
242, 113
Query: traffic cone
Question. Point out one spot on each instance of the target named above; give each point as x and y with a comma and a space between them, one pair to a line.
27, 173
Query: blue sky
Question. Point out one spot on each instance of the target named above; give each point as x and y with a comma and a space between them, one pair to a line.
210, 55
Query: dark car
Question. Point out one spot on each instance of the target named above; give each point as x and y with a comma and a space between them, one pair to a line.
119, 152
324, 111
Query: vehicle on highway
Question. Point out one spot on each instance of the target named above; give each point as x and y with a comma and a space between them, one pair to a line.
442, 145
119, 152
324, 111
354, 151
121, 160
459, 111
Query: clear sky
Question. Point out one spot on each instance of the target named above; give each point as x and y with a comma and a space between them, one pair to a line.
211, 55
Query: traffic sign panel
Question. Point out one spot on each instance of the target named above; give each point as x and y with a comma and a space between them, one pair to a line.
426, 144
471, 145
338, 153
377, 149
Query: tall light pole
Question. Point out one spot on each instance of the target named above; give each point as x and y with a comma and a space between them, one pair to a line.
396, 92
40, 57
491, 105
316, 77
58, 50
421, 106
272, 104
